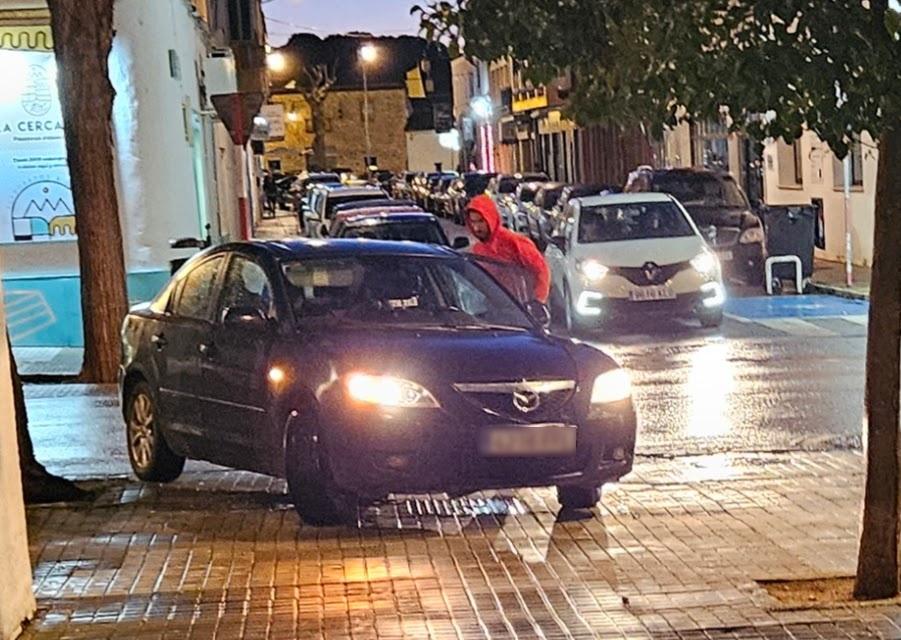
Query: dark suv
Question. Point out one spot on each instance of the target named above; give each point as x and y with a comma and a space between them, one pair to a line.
722, 212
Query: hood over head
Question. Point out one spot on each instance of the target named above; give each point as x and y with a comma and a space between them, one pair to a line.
488, 210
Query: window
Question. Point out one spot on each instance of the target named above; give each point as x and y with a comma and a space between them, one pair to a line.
632, 221
790, 163
838, 169
399, 290
196, 290
246, 285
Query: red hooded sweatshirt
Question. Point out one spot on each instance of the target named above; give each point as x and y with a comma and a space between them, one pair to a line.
506, 246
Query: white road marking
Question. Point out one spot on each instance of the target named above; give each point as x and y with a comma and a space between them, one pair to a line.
795, 327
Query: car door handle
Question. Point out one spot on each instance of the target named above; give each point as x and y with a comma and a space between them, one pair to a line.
208, 350
159, 340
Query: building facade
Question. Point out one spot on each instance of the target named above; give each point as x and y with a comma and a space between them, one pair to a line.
178, 172
525, 129
407, 86
344, 130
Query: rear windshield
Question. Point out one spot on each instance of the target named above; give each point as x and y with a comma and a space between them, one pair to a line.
414, 231
701, 190
633, 221
334, 201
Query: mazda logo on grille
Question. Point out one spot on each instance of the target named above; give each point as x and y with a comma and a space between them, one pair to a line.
651, 271
526, 401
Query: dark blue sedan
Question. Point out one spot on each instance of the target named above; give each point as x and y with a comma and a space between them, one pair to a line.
358, 369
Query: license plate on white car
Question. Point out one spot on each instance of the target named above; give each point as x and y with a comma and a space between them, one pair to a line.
657, 292
531, 440
725, 256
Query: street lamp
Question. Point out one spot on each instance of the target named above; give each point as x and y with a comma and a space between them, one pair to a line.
276, 61
368, 54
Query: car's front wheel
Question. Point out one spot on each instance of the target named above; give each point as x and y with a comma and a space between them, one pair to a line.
315, 497
576, 497
151, 458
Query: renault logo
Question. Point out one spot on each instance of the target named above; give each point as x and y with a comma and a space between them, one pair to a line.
651, 271
526, 400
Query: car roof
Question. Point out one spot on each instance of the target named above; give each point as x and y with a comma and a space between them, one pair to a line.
298, 248
625, 198
691, 171
390, 216
356, 191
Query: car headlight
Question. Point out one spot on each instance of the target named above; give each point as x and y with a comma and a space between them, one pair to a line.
705, 263
612, 386
751, 236
593, 270
388, 391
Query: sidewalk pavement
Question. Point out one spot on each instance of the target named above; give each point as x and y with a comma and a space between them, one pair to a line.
677, 550
829, 277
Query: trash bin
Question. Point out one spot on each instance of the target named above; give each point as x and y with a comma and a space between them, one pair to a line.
790, 231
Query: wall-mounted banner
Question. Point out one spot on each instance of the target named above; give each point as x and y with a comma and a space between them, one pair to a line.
35, 193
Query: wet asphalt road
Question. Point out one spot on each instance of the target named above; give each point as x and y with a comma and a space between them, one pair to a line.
766, 384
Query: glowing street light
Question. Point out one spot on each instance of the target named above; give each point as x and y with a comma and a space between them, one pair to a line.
481, 107
368, 54
276, 62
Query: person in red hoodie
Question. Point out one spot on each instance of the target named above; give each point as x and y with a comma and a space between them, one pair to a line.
499, 243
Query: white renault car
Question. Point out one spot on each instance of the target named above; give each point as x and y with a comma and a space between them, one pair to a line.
632, 254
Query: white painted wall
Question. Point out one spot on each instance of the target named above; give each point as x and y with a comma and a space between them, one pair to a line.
818, 182
152, 126
16, 599
423, 151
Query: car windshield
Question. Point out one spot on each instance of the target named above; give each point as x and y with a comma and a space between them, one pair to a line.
701, 190
474, 185
527, 194
414, 231
400, 290
550, 197
632, 221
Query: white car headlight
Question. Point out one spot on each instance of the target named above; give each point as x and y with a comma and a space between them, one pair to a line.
751, 236
611, 386
388, 391
593, 270
705, 263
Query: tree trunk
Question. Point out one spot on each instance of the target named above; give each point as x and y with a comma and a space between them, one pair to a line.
82, 37
320, 155
38, 485
877, 561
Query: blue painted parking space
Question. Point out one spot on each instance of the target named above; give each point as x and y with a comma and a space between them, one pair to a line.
806, 306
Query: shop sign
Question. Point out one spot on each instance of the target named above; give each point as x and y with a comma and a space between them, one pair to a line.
35, 191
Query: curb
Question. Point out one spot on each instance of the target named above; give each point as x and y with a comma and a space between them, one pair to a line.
841, 292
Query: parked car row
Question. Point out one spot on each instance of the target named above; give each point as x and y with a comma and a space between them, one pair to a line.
337, 211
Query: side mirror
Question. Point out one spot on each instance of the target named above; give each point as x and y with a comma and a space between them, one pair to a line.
245, 318
540, 313
460, 242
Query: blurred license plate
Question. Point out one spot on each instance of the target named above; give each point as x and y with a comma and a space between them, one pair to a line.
725, 256
644, 294
537, 440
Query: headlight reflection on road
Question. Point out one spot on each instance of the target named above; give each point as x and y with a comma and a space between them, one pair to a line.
711, 381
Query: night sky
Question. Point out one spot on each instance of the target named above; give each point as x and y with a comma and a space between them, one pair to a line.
324, 17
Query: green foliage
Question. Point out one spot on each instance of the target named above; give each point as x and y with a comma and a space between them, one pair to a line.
771, 66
